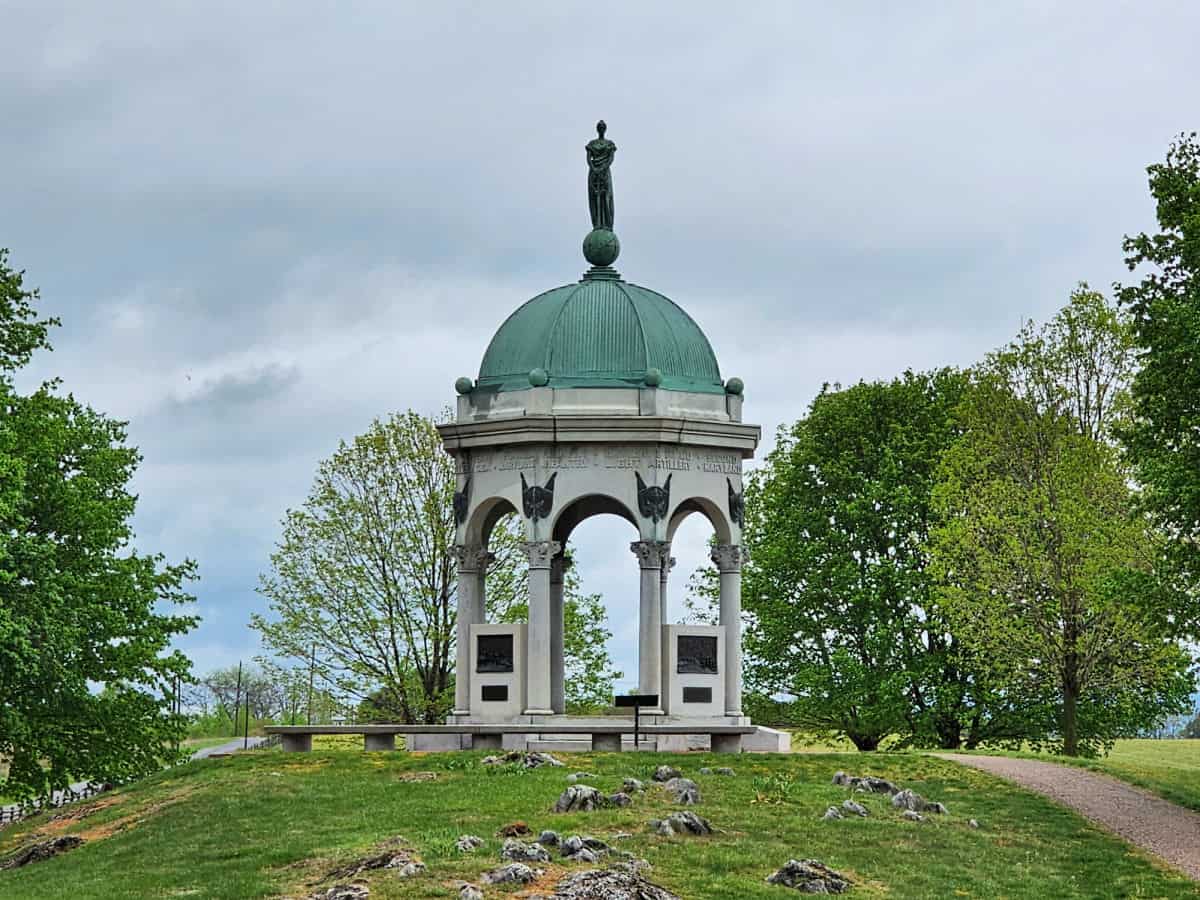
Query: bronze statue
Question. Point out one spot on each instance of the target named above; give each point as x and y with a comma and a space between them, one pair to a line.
600, 153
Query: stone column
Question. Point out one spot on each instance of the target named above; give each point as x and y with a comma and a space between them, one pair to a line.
650, 556
537, 649
668, 565
728, 559
473, 561
558, 570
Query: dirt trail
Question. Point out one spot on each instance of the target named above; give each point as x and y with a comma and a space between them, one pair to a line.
1160, 827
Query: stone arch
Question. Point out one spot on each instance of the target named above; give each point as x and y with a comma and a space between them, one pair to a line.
568, 518
717, 517
483, 518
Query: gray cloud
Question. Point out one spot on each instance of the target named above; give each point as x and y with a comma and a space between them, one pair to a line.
320, 213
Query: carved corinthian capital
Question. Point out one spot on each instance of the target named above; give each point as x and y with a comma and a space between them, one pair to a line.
472, 557
727, 557
651, 554
541, 553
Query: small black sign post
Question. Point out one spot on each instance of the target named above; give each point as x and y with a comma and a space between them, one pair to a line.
637, 701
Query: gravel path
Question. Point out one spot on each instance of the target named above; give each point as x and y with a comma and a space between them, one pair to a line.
1161, 827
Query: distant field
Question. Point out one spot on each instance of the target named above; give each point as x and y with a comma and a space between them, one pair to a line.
267, 823
1170, 769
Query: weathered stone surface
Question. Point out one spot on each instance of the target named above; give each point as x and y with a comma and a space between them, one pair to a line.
686, 822
354, 891
519, 851
617, 883
832, 813
705, 770
913, 801
530, 759
913, 816
809, 876
973, 823
857, 808
395, 856
468, 891
514, 829
579, 798
868, 783
686, 791
725, 770
620, 798
42, 850
548, 838
579, 776
632, 786
513, 873
468, 843
666, 773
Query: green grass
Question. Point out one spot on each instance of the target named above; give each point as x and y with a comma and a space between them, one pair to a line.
268, 823
195, 744
1170, 769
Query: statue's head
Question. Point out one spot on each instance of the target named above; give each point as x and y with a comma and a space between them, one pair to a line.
601, 128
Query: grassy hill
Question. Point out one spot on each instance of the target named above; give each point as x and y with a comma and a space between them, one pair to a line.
271, 824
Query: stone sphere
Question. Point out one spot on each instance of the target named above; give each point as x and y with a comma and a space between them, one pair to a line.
601, 247
653, 377
734, 386
539, 378
464, 385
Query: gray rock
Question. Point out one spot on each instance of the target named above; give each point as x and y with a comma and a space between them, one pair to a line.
579, 776
913, 816
688, 822
528, 759
810, 877
832, 813
595, 844
620, 798
857, 808
42, 851
398, 858
632, 786
726, 771
468, 843
513, 873
913, 801
579, 798
666, 773
662, 826
468, 891
519, 851
591, 857
572, 845
616, 883
548, 838
354, 891
973, 823
705, 770
686, 791
869, 783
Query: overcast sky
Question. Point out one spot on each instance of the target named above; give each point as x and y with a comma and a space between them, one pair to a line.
265, 224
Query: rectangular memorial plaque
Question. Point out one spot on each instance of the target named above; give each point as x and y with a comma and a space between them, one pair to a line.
697, 695
697, 655
495, 653
494, 692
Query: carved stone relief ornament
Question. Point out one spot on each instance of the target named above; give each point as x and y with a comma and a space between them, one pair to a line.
460, 501
727, 557
473, 558
737, 504
537, 501
541, 553
651, 554
653, 501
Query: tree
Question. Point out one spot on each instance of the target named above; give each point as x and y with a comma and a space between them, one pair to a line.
1163, 437
1049, 575
843, 614
86, 674
588, 675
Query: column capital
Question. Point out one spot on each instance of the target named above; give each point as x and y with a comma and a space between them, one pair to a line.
473, 557
559, 566
651, 554
541, 553
727, 557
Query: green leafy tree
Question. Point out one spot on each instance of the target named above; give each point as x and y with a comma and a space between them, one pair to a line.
843, 614
364, 582
1163, 437
86, 671
1050, 577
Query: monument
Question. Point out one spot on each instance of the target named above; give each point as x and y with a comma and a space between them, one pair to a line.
599, 397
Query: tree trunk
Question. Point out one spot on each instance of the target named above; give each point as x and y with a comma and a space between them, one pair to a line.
864, 742
1069, 721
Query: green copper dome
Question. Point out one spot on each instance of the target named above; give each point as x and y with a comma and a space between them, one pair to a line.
600, 332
